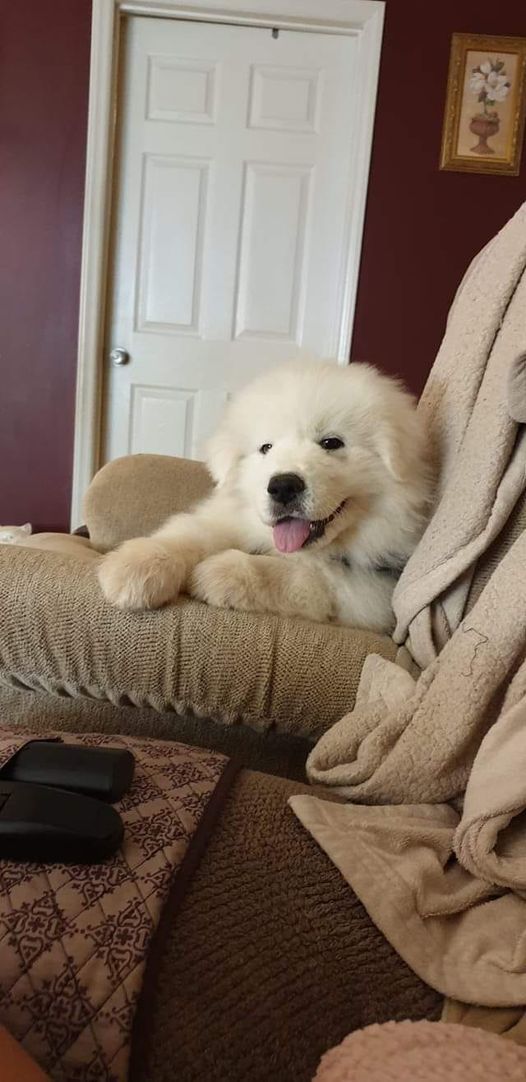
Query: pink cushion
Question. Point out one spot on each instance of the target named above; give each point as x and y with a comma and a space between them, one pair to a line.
423, 1052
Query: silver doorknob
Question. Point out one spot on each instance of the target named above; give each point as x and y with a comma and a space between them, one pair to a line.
119, 356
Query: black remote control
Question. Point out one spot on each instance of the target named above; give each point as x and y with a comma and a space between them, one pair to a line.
47, 825
105, 773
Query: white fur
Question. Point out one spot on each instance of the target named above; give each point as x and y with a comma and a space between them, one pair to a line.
223, 551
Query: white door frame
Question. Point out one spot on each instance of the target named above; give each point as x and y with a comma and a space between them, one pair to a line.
360, 18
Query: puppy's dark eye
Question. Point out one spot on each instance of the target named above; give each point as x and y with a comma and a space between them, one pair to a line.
332, 443
265, 448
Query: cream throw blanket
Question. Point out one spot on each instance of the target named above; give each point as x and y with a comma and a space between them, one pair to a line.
475, 394
448, 887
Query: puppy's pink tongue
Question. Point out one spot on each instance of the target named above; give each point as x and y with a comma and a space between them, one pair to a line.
290, 534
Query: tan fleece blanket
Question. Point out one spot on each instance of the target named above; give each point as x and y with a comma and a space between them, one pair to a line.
447, 889
475, 394
443, 873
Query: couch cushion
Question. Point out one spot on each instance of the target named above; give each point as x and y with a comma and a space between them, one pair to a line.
75, 940
267, 956
65, 543
133, 496
58, 634
270, 752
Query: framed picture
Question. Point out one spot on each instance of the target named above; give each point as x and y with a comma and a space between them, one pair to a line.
485, 105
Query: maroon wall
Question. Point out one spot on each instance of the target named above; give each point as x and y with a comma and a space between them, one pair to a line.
44, 67
423, 226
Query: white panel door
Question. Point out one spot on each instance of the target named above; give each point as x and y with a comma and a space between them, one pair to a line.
234, 158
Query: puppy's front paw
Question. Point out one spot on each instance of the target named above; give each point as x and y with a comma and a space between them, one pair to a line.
141, 574
227, 580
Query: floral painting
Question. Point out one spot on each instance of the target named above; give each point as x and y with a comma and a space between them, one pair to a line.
484, 118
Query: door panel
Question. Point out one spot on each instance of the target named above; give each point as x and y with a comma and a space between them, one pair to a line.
171, 245
271, 265
233, 165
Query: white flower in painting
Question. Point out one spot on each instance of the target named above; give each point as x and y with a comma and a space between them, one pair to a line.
489, 82
477, 82
497, 86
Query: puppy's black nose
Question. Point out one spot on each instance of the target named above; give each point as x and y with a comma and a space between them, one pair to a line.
284, 487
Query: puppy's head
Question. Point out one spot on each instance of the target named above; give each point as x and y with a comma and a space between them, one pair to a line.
315, 448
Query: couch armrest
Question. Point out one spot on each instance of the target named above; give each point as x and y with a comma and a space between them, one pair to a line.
58, 634
133, 496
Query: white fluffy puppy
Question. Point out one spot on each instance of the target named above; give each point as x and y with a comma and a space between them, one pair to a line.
322, 489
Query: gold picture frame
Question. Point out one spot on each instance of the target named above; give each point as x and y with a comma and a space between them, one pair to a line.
485, 101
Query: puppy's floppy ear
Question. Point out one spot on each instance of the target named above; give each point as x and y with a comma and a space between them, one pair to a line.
221, 453
393, 447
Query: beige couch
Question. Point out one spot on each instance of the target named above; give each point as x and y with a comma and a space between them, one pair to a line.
258, 686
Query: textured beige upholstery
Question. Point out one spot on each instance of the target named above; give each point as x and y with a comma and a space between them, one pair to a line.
60, 638
66, 543
132, 496
274, 753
